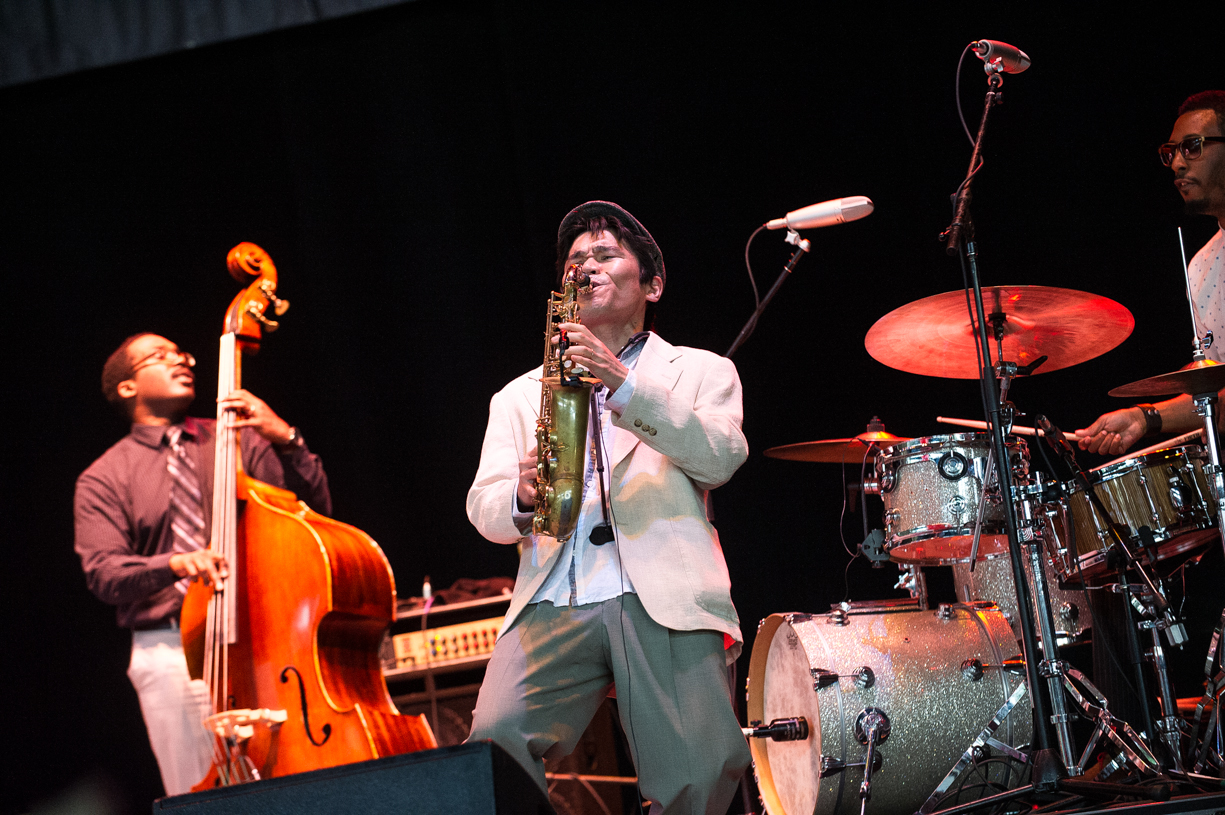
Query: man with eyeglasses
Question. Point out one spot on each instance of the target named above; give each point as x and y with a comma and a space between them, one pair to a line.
142, 521
1196, 154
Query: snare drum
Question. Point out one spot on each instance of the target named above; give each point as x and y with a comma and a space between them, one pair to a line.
914, 661
1166, 491
931, 488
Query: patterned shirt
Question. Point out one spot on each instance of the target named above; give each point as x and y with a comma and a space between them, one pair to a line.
1207, 275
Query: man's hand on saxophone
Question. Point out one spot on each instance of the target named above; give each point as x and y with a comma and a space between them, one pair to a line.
525, 493
587, 350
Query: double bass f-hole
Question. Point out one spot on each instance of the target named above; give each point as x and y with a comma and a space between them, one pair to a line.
306, 718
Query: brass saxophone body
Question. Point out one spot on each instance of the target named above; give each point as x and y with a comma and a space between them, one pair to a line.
561, 430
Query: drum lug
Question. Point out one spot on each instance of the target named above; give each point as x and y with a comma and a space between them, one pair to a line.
839, 616
944, 611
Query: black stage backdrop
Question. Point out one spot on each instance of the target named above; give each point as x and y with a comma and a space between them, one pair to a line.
407, 167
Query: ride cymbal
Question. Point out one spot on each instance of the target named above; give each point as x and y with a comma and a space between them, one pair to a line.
935, 336
1201, 376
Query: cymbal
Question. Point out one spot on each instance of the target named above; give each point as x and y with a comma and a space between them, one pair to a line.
935, 336
836, 451
1202, 376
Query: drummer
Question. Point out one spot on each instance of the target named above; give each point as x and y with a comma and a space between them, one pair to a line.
1196, 154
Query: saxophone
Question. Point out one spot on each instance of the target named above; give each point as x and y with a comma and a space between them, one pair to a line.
561, 430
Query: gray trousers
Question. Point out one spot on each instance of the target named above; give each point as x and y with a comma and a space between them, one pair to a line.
552, 669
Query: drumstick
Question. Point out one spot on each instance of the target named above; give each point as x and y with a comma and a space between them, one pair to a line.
1029, 431
977, 425
1177, 441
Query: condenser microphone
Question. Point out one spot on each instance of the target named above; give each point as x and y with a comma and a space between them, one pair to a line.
1008, 57
826, 213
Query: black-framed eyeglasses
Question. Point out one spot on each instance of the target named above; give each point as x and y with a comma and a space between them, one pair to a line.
1191, 148
165, 355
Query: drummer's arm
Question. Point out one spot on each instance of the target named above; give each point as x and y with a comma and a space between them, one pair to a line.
1114, 433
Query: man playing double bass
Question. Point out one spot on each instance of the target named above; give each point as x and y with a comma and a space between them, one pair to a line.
142, 527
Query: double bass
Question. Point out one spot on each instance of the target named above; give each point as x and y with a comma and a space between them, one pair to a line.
288, 642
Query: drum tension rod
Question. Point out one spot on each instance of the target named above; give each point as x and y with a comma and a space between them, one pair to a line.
822, 678
973, 669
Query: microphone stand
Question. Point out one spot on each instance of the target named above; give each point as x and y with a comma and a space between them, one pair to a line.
802, 246
1047, 769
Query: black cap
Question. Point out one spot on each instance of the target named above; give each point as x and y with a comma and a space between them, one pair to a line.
594, 209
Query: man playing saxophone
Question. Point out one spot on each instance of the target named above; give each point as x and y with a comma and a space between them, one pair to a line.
637, 598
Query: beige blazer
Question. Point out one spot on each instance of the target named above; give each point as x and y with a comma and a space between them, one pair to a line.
678, 437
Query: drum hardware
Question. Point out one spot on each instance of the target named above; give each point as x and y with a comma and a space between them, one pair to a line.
872, 728
831, 765
975, 669
1213, 740
913, 580
864, 678
1168, 724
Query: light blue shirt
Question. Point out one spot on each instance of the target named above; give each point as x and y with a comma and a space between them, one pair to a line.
586, 573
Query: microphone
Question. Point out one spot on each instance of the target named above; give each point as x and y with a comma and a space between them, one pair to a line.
826, 213
1001, 55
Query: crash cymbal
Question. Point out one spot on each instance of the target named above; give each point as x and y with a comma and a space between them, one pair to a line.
935, 337
836, 451
1202, 376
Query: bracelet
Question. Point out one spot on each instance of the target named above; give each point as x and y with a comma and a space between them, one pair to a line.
1152, 419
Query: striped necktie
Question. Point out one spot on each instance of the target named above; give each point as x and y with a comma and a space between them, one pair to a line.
186, 500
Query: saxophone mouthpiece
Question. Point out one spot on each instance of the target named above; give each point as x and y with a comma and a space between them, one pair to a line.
581, 280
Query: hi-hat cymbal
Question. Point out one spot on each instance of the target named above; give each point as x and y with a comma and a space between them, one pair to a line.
1202, 376
835, 451
935, 336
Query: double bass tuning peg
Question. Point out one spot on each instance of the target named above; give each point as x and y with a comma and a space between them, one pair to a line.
257, 311
268, 289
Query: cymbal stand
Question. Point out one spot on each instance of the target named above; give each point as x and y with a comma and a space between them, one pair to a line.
1206, 408
1169, 725
1205, 403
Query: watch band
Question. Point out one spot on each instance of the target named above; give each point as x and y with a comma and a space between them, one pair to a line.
1152, 419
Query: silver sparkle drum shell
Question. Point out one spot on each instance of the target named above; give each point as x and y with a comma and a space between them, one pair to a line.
931, 488
992, 580
935, 711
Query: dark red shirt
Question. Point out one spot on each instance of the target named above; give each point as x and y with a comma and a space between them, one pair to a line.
122, 511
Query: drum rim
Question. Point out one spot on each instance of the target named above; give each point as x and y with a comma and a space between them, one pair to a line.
895, 450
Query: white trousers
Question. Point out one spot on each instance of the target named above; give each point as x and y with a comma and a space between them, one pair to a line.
173, 706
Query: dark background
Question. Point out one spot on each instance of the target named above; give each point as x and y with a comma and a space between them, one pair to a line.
406, 169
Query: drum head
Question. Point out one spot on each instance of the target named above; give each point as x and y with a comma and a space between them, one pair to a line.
789, 772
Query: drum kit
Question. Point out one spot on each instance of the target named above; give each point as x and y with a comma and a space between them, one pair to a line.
892, 706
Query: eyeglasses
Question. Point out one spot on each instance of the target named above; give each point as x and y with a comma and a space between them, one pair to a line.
167, 355
1191, 148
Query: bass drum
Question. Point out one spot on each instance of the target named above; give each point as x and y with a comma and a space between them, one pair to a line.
914, 661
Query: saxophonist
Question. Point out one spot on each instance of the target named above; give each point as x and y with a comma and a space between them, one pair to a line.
638, 597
